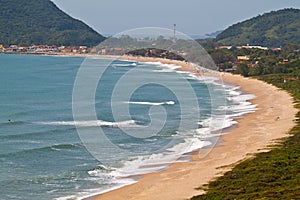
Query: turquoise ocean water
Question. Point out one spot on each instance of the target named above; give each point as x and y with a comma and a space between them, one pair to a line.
41, 154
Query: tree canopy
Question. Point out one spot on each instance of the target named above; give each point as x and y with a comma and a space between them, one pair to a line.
26, 22
273, 29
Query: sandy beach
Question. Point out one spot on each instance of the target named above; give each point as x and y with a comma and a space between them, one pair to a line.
253, 133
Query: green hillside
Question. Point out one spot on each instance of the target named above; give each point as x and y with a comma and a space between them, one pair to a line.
273, 29
26, 22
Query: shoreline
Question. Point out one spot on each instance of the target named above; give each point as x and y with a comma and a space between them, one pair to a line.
184, 66
253, 133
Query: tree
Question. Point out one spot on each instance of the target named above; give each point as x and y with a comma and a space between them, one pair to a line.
243, 69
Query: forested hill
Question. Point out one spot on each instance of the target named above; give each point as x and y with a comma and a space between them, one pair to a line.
273, 29
26, 22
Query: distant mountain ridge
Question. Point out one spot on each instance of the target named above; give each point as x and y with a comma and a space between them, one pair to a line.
213, 35
273, 29
27, 22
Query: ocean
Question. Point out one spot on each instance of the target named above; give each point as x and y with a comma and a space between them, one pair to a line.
43, 151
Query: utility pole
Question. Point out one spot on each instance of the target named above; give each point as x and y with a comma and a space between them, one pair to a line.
174, 39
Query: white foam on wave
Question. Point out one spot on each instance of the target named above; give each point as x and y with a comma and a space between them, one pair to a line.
124, 65
106, 176
71, 197
238, 107
241, 102
242, 107
159, 161
120, 177
89, 194
98, 172
217, 123
225, 115
205, 79
241, 97
234, 93
191, 140
152, 103
92, 123
164, 67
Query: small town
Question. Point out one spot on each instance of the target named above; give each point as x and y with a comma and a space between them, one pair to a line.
54, 50
247, 60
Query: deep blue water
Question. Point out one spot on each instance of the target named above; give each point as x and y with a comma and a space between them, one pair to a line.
41, 153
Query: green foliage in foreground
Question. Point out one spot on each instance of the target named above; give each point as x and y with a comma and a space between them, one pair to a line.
270, 175
27, 22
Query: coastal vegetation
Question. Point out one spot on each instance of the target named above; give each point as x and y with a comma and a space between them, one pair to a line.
256, 62
274, 174
273, 29
269, 175
28, 22
156, 53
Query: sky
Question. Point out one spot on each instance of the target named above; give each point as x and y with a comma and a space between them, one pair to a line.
192, 17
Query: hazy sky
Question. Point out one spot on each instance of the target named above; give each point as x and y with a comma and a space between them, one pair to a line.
191, 16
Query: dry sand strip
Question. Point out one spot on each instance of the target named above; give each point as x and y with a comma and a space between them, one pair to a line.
253, 133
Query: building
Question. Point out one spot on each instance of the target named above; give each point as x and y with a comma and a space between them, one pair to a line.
223, 47
276, 49
285, 61
243, 58
252, 47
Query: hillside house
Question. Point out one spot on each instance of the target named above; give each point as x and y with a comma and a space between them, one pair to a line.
243, 58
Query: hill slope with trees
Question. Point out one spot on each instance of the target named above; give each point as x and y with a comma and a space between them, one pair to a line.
273, 29
26, 22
